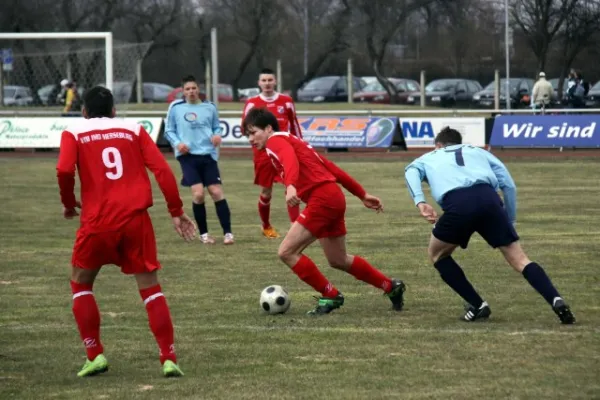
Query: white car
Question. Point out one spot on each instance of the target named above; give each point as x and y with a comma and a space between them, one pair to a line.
17, 96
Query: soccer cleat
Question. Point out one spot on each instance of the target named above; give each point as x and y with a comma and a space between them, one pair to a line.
327, 305
91, 368
473, 314
563, 311
171, 370
396, 295
207, 239
228, 239
270, 233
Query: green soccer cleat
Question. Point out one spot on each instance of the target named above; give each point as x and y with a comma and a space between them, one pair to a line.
91, 368
327, 305
170, 369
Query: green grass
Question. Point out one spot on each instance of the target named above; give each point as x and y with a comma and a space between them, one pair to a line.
237, 106
229, 350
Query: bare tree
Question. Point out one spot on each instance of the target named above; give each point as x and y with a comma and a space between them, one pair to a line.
540, 21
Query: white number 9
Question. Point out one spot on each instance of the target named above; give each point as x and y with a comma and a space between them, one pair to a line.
115, 163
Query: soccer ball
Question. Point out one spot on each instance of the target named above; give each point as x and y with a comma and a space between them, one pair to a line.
275, 300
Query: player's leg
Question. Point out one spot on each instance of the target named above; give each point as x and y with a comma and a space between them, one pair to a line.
452, 230
335, 251
264, 177
290, 251
212, 179
192, 177
89, 254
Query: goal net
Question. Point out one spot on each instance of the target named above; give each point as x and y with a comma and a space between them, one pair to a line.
33, 71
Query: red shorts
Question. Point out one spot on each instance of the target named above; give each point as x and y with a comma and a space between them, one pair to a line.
264, 171
325, 211
132, 248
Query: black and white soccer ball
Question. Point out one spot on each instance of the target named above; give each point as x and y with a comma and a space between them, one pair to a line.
275, 300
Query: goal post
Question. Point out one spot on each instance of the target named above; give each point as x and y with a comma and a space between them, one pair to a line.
108, 45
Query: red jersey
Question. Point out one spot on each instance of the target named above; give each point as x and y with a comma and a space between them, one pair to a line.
282, 107
301, 166
111, 157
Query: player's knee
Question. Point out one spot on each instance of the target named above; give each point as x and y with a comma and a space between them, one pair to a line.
216, 192
285, 254
198, 197
266, 192
437, 254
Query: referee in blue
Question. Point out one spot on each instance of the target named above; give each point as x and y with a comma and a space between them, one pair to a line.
464, 181
193, 130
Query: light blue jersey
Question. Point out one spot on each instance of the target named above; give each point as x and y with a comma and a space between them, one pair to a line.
193, 125
460, 166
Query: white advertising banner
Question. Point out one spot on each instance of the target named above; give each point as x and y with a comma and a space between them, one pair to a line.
231, 132
45, 132
421, 132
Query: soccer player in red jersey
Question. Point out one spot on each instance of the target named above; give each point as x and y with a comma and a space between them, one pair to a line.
282, 107
111, 157
312, 179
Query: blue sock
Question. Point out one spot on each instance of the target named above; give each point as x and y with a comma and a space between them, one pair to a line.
200, 216
224, 215
536, 276
454, 277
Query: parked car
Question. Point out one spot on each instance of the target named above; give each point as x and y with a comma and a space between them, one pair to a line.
245, 94
50, 95
374, 92
152, 92
225, 93
455, 92
520, 92
17, 96
328, 89
593, 97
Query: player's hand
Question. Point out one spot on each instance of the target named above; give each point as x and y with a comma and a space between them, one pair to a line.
291, 197
427, 212
182, 148
216, 140
185, 227
372, 202
70, 213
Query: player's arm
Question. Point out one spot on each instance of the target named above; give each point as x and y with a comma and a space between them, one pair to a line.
284, 153
65, 170
155, 162
506, 183
293, 120
216, 138
414, 175
171, 128
344, 179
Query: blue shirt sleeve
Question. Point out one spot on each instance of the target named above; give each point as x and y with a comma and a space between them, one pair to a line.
216, 126
171, 128
414, 174
506, 184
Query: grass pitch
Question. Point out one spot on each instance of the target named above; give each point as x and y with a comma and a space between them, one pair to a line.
229, 350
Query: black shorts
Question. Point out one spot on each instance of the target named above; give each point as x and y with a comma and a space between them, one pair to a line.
474, 209
199, 169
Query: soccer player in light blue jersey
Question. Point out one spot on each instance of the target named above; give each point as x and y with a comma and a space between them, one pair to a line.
464, 181
193, 130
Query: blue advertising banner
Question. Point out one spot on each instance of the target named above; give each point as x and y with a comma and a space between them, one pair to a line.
546, 131
348, 132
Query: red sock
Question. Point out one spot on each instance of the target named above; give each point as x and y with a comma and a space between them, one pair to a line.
159, 318
293, 212
307, 270
362, 270
264, 210
87, 317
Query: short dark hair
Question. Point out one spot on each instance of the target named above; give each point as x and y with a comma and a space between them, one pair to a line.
260, 118
188, 78
98, 102
267, 71
448, 136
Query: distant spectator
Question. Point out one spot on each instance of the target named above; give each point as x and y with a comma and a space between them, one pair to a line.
542, 92
575, 90
71, 100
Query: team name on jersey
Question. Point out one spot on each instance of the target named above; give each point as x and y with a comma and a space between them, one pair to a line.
105, 136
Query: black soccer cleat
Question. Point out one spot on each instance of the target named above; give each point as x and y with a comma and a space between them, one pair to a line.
396, 295
473, 314
563, 311
327, 305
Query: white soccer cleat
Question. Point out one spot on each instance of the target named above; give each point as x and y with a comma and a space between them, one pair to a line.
207, 239
228, 239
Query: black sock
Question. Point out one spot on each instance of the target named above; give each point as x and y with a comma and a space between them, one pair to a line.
454, 277
536, 276
200, 216
224, 215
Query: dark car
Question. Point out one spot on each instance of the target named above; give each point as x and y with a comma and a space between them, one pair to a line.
328, 89
374, 92
592, 100
447, 93
520, 93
